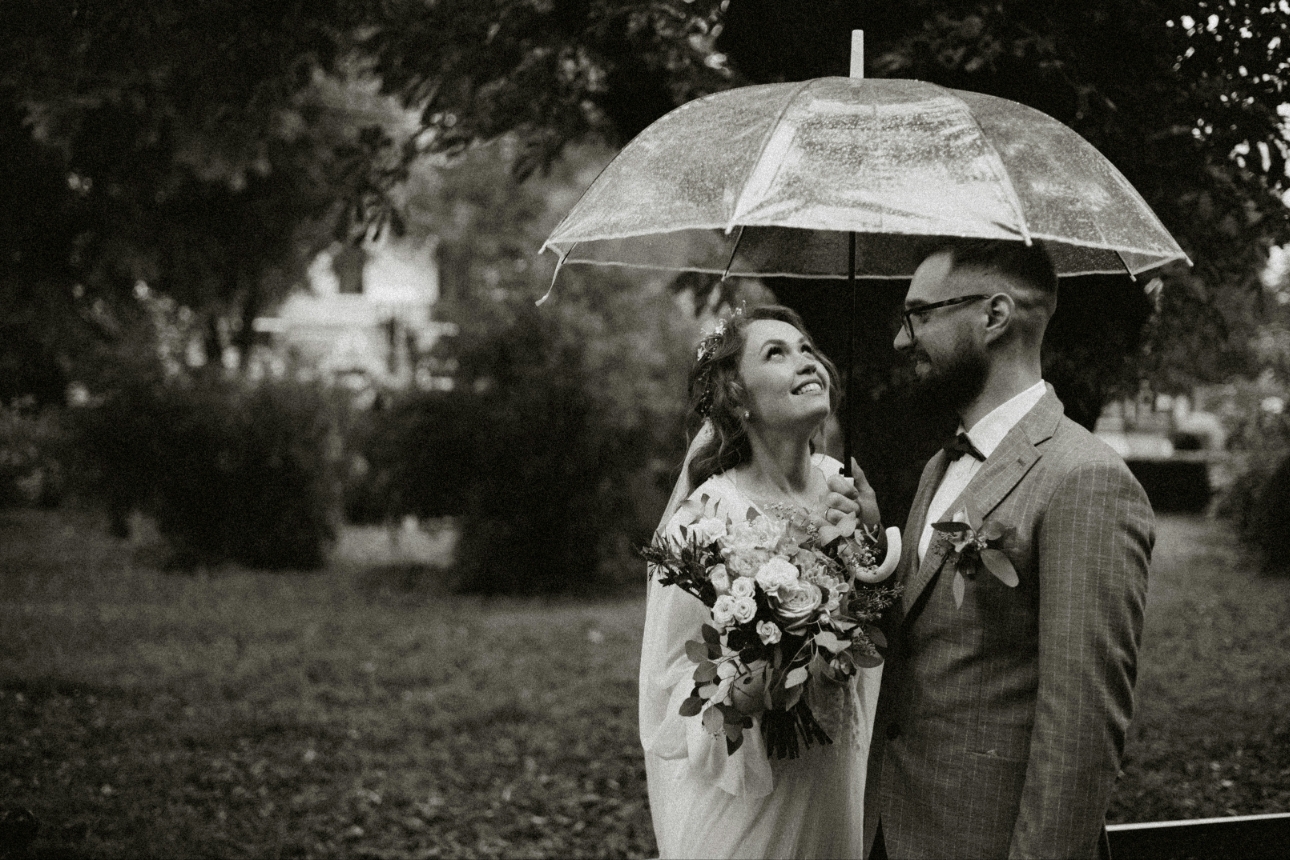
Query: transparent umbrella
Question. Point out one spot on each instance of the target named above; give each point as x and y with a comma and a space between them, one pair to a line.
839, 177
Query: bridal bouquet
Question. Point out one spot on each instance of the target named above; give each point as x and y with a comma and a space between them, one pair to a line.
794, 605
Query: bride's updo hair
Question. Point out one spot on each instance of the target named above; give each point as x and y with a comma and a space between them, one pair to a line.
717, 394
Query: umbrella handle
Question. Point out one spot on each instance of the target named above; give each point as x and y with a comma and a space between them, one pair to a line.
849, 391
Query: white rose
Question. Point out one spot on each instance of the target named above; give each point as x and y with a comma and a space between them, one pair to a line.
743, 587
720, 579
798, 602
746, 562
707, 530
775, 574
769, 632
745, 609
723, 611
761, 533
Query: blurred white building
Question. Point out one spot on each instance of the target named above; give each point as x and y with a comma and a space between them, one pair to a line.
365, 318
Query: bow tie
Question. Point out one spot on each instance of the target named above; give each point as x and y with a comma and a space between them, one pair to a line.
960, 445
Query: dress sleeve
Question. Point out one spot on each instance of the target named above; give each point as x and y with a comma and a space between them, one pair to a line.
673, 616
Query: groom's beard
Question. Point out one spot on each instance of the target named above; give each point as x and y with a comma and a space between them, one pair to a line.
957, 381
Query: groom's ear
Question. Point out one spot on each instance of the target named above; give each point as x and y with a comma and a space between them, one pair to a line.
1001, 310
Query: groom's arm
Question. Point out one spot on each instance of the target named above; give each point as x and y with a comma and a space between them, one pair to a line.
1094, 547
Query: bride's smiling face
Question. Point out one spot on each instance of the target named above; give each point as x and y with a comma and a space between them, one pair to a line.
782, 376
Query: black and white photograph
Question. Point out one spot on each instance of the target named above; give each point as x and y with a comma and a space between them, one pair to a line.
645, 429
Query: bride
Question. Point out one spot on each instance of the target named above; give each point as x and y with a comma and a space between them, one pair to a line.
764, 392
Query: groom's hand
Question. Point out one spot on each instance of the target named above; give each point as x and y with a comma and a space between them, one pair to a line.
852, 497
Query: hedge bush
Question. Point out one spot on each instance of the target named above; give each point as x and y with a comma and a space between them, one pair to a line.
231, 470
32, 452
558, 447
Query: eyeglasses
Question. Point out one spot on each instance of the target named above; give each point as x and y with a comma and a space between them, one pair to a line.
921, 311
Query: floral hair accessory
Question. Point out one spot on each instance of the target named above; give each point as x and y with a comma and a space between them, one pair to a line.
707, 348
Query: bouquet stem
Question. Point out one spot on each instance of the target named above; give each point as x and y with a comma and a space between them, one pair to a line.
781, 728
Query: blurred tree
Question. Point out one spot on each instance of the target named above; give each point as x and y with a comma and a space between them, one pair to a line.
199, 147
562, 435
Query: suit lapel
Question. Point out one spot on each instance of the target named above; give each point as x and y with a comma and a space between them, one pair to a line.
999, 474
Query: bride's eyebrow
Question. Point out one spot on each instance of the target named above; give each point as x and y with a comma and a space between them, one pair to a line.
777, 341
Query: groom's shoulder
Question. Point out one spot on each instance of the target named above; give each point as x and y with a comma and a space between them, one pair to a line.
1073, 448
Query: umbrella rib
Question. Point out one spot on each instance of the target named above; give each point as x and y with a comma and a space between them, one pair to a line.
735, 250
788, 103
1005, 180
559, 264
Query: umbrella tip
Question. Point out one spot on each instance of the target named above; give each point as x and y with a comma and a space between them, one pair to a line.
857, 53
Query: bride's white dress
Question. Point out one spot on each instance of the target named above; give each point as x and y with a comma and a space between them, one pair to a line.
708, 804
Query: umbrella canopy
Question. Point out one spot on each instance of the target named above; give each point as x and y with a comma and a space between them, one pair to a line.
772, 180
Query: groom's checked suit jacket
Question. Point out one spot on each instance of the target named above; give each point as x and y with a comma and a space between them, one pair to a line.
1001, 723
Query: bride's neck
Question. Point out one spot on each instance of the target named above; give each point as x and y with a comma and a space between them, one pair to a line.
780, 461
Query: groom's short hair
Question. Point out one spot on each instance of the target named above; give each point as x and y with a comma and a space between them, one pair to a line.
1028, 264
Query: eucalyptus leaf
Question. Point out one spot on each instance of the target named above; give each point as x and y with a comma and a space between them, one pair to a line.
710, 634
818, 666
705, 672
990, 531
795, 677
1000, 565
707, 691
713, 721
827, 639
794, 696
867, 661
691, 706
876, 636
696, 651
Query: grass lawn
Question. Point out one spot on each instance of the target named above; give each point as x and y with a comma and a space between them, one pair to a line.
242, 714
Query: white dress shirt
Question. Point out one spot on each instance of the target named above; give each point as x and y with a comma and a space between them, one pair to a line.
986, 435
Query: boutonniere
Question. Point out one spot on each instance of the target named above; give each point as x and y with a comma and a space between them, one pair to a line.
976, 546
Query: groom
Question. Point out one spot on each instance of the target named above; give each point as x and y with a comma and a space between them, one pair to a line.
1005, 698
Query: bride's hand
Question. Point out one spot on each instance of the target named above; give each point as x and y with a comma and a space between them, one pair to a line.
856, 496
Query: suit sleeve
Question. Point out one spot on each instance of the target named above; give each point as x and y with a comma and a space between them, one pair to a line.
1094, 547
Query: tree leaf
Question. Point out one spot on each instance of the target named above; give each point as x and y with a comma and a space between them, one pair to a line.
959, 587
691, 706
795, 677
713, 721
1001, 566
705, 672
710, 634
696, 651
